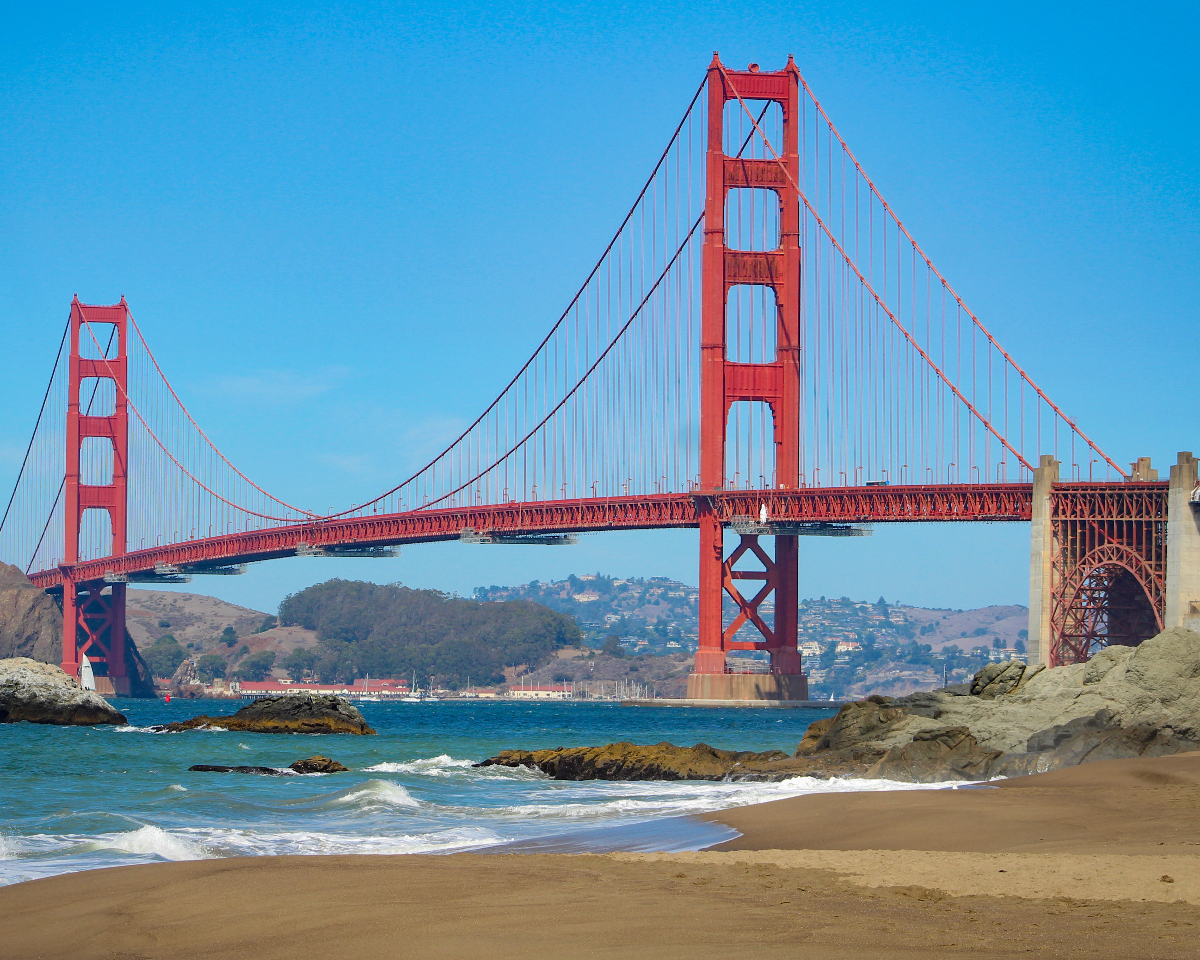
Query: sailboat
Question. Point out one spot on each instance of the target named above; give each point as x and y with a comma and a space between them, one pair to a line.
414, 695
367, 696
87, 679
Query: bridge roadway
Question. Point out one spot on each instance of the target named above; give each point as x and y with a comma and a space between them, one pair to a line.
874, 504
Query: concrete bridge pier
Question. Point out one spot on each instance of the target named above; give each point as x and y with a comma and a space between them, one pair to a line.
1041, 560
1181, 607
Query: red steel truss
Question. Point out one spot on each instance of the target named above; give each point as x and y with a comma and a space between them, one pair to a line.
993, 502
1109, 566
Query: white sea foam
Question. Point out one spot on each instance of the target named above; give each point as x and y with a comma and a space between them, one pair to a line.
439, 766
152, 841
243, 746
10, 848
179, 787
376, 794
641, 799
130, 728
245, 843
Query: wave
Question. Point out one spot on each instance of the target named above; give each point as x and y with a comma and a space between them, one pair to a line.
245, 843
375, 794
10, 848
150, 841
642, 799
443, 765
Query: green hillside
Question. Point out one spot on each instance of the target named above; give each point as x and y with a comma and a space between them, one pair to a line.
390, 631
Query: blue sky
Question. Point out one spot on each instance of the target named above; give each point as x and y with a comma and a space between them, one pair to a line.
342, 226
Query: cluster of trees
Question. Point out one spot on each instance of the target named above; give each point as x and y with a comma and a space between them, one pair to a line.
165, 655
391, 630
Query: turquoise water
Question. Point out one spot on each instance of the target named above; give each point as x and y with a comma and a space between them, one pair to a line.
74, 798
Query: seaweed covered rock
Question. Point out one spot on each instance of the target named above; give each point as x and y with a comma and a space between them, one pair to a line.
43, 693
629, 761
289, 713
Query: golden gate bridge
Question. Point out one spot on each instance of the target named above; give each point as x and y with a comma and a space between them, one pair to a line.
762, 347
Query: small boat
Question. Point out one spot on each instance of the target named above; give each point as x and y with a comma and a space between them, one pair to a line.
87, 679
366, 696
415, 694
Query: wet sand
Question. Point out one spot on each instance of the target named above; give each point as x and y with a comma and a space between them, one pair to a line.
1069, 864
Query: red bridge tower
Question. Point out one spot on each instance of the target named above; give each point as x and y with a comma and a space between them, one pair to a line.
724, 382
94, 610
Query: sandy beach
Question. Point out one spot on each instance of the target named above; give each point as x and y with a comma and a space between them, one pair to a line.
1095, 861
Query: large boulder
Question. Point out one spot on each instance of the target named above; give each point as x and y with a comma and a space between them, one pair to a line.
289, 713
43, 693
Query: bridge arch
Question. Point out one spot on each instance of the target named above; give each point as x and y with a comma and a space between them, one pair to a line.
1112, 596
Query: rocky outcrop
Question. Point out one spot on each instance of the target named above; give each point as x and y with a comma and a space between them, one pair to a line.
43, 693
30, 621
1010, 720
31, 626
290, 713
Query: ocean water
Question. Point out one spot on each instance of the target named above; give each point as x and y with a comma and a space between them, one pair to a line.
77, 798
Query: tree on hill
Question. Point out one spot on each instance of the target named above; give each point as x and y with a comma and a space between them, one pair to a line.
256, 666
164, 656
300, 662
612, 646
228, 637
365, 628
209, 667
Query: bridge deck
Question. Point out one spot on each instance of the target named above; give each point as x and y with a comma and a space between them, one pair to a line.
875, 504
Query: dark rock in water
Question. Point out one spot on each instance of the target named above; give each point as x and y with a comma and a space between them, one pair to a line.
311, 765
43, 693
290, 713
214, 768
317, 764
